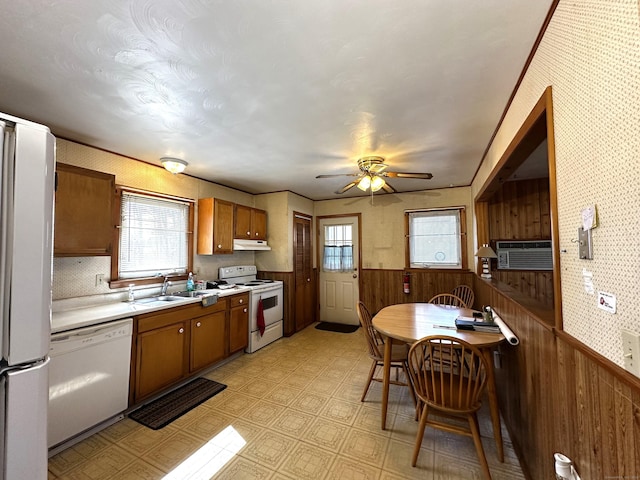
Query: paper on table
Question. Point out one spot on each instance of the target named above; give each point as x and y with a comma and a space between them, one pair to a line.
505, 330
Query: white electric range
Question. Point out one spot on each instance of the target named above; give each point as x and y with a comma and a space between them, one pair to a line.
269, 292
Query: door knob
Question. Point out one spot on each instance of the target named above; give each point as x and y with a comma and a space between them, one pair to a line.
355, 276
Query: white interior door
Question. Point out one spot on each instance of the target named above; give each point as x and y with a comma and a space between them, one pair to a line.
339, 270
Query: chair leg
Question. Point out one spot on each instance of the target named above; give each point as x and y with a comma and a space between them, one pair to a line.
419, 435
475, 430
405, 369
371, 372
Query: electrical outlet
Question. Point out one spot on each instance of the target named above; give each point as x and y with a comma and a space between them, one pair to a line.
99, 279
631, 351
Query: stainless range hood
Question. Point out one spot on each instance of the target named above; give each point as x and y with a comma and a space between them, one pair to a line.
239, 244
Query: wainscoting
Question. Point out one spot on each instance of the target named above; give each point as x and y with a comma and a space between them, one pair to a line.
556, 395
379, 288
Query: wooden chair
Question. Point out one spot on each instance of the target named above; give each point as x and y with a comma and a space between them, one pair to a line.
450, 391
465, 293
375, 344
447, 299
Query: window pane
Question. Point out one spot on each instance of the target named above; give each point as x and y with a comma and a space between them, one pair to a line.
338, 248
153, 236
434, 239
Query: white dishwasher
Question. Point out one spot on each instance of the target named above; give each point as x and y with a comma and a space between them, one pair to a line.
88, 377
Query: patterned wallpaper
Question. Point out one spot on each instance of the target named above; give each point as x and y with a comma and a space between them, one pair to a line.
590, 55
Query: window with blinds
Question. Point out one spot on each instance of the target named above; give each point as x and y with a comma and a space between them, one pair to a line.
153, 236
436, 238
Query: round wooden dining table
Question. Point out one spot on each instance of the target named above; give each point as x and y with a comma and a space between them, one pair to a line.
409, 322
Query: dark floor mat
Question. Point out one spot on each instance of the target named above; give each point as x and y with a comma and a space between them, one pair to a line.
337, 327
176, 403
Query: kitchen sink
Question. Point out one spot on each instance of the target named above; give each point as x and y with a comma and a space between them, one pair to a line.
161, 298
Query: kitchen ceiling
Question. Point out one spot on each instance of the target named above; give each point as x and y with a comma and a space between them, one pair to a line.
265, 95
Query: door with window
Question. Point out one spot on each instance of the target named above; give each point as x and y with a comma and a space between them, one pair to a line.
339, 262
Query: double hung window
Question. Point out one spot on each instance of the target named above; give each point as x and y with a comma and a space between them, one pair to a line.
436, 238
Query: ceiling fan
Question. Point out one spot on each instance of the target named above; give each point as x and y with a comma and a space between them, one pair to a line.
372, 175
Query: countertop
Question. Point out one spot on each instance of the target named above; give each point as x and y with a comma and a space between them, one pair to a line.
93, 315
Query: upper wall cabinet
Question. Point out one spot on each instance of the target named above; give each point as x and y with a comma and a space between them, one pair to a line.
83, 212
215, 226
250, 223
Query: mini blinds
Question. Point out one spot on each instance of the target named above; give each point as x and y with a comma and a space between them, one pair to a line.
153, 236
338, 248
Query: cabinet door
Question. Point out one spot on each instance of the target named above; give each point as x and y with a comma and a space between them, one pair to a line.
83, 212
238, 328
259, 224
207, 340
215, 226
243, 228
160, 358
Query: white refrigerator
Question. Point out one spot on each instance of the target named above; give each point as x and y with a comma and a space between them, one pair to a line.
26, 231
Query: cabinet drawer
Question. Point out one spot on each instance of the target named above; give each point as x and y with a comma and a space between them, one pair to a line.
238, 300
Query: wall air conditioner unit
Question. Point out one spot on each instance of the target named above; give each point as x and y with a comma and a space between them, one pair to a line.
524, 255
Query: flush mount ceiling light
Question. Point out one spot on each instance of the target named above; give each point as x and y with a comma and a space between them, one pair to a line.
174, 165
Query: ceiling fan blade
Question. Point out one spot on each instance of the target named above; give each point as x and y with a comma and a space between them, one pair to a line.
347, 187
339, 175
425, 176
388, 188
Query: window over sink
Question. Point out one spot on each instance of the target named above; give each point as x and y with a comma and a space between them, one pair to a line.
154, 237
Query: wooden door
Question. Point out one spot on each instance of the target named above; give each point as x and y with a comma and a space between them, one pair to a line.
160, 358
243, 228
303, 272
207, 340
83, 212
339, 263
239, 328
259, 224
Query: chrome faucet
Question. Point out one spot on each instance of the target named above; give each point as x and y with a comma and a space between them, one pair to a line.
165, 284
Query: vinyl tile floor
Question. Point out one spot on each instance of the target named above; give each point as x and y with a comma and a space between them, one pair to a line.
292, 411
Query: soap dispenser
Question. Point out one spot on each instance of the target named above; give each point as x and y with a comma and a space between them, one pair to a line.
190, 284
131, 297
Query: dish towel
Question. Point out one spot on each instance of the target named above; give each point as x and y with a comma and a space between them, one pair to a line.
260, 317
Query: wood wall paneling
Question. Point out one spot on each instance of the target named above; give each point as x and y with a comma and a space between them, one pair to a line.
556, 395
380, 288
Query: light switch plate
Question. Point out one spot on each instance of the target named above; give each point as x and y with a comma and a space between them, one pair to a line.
585, 244
631, 351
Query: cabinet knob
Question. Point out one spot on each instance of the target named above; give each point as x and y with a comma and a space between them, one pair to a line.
249, 233
244, 311
257, 234
308, 279
198, 324
241, 300
219, 246
181, 330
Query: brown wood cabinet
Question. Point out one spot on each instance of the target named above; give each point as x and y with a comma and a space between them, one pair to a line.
83, 212
160, 358
250, 223
239, 322
215, 226
172, 344
207, 340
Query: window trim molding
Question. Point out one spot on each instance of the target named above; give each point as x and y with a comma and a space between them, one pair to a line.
115, 254
462, 211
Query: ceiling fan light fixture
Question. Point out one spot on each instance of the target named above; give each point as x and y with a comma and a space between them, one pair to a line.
364, 183
174, 165
377, 183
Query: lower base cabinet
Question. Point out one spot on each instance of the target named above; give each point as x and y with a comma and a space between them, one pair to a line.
166, 343
171, 345
207, 340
